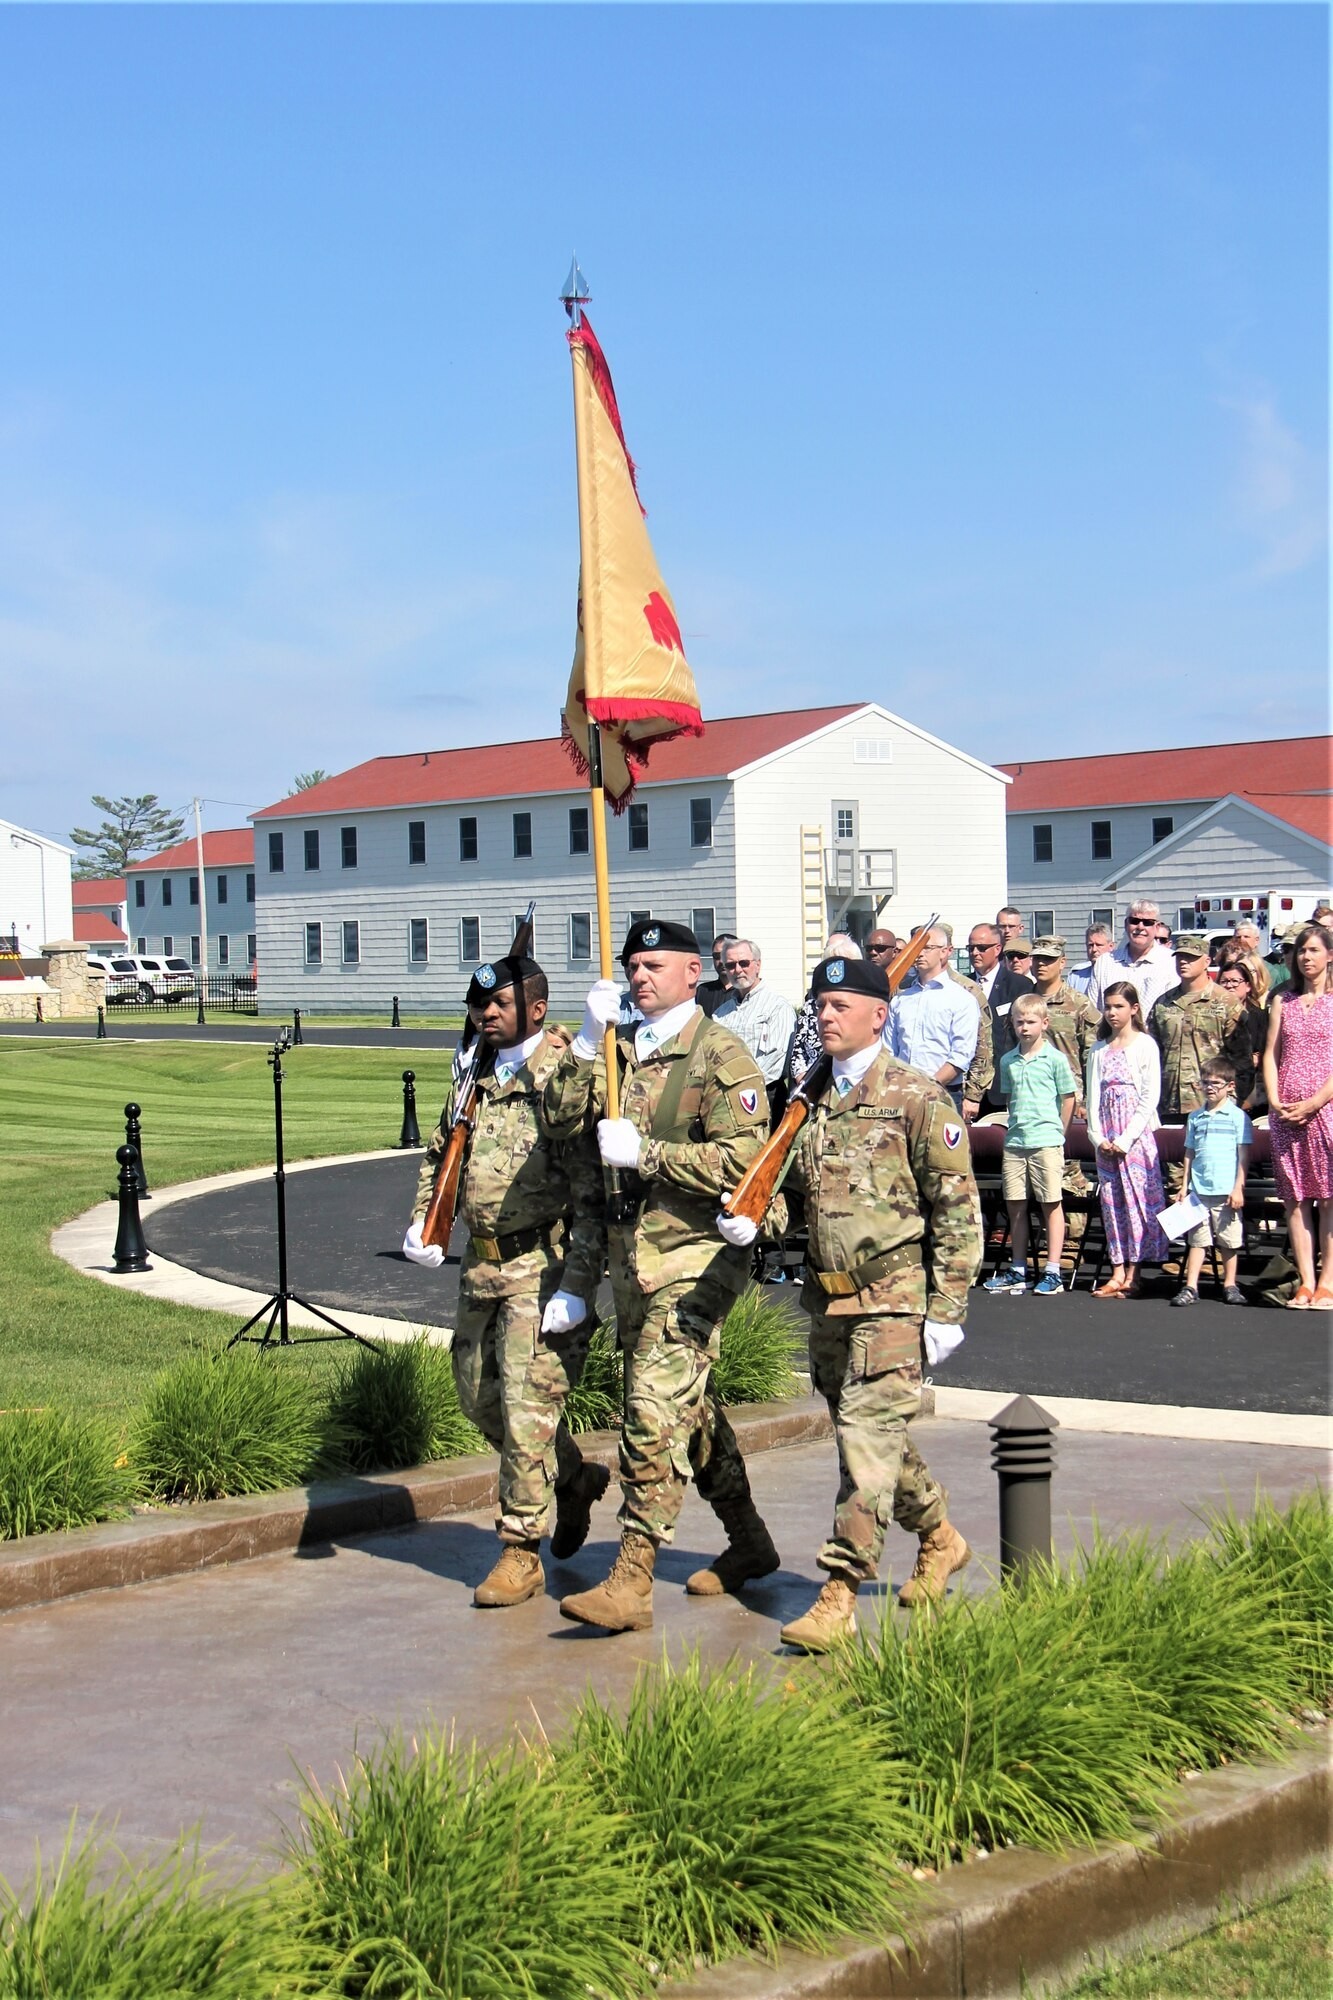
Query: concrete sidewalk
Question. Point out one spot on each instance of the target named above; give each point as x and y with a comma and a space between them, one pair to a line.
197, 1699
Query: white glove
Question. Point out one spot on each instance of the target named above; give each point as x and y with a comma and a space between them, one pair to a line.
737, 1230
940, 1339
417, 1252
601, 1010
563, 1313
464, 1059
618, 1142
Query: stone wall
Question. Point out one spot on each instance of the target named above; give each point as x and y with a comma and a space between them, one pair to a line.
79, 990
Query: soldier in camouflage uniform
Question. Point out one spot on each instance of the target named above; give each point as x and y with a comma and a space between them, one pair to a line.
1192, 1022
1071, 1027
895, 1241
981, 1070
533, 1207
693, 1115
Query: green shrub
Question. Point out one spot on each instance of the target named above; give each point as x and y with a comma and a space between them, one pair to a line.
436, 1873
1290, 1555
398, 1406
761, 1816
94, 1926
596, 1404
754, 1361
58, 1472
227, 1423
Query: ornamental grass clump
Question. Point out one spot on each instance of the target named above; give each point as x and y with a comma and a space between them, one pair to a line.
598, 1400
58, 1471
1290, 1555
398, 1406
436, 1874
758, 1814
754, 1359
227, 1423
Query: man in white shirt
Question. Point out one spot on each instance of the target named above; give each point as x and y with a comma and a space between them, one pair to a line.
933, 1023
1147, 965
762, 1018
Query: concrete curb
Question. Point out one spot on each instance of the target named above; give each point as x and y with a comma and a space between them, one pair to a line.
1021, 1923
40, 1568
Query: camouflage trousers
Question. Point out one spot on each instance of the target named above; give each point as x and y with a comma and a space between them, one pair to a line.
674, 1430
512, 1382
869, 1372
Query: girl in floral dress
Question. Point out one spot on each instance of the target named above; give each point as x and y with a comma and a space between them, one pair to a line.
1124, 1083
1298, 1071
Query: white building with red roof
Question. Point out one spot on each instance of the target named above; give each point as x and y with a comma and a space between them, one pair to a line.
36, 907
402, 874
1210, 834
163, 901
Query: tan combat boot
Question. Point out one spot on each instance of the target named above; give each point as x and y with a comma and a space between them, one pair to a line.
517, 1575
624, 1603
749, 1554
942, 1552
573, 1509
830, 1619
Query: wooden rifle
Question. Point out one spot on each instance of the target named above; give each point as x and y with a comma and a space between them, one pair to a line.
757, 1186
438, 1222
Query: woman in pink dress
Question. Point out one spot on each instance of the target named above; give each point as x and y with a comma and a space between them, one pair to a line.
1298, 1074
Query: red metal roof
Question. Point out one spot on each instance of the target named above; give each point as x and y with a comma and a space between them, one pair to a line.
513, 770
98, 894
231, 847
1289, 777
91, 927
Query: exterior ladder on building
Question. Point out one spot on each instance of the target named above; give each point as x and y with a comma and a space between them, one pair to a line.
814, 914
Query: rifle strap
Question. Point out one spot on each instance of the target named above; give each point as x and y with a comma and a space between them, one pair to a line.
669, 1119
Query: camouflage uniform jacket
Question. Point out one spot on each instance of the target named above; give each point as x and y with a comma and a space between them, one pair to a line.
716, 1128
516, 1177
981, 1071
1189, 1029
887, 1173
1071, 1027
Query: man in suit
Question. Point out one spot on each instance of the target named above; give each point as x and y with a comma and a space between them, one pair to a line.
1001, 986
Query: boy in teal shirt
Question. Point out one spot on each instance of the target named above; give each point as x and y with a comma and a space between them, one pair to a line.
1039, 1087
1217, 1154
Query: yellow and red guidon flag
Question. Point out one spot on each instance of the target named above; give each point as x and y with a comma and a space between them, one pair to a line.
630, 673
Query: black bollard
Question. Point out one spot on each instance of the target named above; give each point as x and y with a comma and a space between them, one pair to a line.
395, 1022
40, 1015
134, 1140
131, 1252
297, 1036
199, 979
1023, 1454
410, 1135
101, 1024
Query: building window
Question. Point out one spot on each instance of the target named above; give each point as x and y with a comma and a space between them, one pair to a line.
638, 829
314, 944
351, 942
701, 823
1101, 840
194, 951
312, 847
578, 829
1186, 919
275, 854
844, 823
467, 840
1043, 923
166, 892
1042, 844
249, 888
418, 940
348, 836
580, 934
872, 750
639, 916
704, 925
194, 890
1103, 914
469, 938
1163, 828
251, 953
522, 836
140, 892
168, 946
416, 842
141, 946
222, 888
224, 950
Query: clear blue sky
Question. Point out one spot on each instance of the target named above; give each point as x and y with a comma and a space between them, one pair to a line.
975, 361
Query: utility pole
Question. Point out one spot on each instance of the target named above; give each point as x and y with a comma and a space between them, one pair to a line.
203, 907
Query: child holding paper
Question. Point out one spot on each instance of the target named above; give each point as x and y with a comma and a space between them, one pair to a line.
1217, 1154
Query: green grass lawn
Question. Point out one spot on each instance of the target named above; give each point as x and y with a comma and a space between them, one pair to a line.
74, 1342
1280, 1951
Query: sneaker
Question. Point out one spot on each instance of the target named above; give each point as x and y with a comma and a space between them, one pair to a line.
1007, 1281
1232, 1295
1186, 1296
1051, 1283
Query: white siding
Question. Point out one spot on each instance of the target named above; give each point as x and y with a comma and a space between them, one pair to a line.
1070, 882
179, 920
1235, 851
36, 900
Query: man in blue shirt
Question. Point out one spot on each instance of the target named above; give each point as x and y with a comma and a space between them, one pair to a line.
933, 1022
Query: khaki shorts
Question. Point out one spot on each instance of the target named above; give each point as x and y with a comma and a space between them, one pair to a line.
1035, 1170
1225, 1225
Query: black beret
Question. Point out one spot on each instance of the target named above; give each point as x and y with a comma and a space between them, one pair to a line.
850, 975
656, 934
493, 978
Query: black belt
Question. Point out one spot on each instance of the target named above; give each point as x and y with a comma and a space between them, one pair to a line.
499, 1249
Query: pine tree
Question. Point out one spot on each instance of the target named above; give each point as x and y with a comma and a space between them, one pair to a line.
305, 781
132, 828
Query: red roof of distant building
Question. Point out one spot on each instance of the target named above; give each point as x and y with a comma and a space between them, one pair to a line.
231, 847
513, 770
1289, 777
99, 894
91, 927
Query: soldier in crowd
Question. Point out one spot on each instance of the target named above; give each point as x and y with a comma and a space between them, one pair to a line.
1192, 1022
533, 1207
693, 1115
895, 1241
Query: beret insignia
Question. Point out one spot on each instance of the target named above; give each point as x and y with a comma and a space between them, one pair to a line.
653, 936
835, 971
485, 976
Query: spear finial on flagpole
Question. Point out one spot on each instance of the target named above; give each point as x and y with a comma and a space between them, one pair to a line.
575, 294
